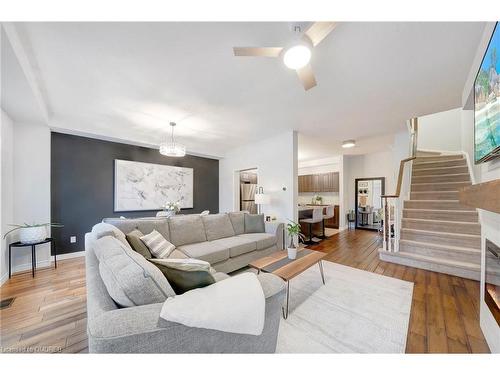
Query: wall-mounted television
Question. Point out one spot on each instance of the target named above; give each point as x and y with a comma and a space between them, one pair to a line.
487, 103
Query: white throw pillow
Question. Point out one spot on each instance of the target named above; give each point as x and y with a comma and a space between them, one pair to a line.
236, 304
157, 244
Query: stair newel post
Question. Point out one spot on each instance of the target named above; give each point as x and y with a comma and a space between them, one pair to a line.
386, 229
396, 224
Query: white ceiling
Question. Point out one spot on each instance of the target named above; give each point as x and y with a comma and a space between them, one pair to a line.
128, 80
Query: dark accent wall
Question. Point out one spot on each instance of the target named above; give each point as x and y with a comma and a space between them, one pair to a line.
82, 172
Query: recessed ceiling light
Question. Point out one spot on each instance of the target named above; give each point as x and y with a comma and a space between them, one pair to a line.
349, 143
297, 57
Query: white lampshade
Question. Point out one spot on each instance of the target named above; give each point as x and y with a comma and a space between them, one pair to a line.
262, 198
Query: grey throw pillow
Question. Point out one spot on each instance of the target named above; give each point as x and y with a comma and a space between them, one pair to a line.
134, 239
254, 223
185, 274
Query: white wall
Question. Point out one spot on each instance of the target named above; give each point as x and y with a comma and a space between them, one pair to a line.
276, 161
489, 171
31, 186
378, 164
440, 131
25, 188
7, 190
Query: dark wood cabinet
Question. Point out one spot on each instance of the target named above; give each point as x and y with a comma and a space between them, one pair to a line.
319, 183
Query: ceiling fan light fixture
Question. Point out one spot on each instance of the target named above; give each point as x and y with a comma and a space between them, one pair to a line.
297, 56
172, 148
349, 143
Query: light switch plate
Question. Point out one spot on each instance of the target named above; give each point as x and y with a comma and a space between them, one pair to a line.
72, 239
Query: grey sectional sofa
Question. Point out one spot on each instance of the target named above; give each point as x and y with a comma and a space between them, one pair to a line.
223, 240
138, 329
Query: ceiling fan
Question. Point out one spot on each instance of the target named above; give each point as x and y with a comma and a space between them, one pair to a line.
298, 53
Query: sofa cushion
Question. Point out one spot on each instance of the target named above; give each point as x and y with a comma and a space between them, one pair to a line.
238, 221
217, 226
145, 224
104, 229
263, 240
185, 274
207, 251
254, 223
157, 244
129, 278
186, 229
237, 245
135, 242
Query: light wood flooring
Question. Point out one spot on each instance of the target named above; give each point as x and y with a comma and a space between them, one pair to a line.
49, 312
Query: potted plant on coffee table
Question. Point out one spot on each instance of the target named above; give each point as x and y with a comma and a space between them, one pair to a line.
294, 231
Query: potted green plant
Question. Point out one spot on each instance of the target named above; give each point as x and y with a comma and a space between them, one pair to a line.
294, 231
318, 199
32, 233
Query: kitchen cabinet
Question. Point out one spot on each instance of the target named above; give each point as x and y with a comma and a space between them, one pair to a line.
318, 183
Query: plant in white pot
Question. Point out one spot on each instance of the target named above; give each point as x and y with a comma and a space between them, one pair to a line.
32, 233
294, 231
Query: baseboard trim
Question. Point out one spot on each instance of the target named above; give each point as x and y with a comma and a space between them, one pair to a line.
4, 278
75, 254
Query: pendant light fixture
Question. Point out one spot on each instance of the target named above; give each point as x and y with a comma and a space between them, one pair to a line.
172, 148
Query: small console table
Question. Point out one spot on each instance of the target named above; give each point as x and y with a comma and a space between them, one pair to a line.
33, 253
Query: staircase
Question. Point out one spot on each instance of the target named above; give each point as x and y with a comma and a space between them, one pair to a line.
437, 232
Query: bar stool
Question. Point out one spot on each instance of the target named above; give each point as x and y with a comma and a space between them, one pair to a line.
317, 217
330, 213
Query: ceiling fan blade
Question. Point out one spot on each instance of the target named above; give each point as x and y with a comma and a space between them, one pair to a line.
319, 30
306, 77
257, 51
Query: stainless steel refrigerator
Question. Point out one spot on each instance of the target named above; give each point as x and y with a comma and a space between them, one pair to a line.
247, 197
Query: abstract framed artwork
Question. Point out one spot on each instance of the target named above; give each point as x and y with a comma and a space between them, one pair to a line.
142, 186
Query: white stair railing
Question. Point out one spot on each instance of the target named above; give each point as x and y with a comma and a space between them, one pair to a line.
392, 204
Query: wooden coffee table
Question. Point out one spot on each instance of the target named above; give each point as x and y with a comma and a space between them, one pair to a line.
280, 265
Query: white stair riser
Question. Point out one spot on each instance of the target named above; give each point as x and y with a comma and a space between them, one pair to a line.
468, 216
444, 178
442, 239
439, 186
434, 195
436, 205
438, 164
430, 266
462, 256
442, 226
440, 171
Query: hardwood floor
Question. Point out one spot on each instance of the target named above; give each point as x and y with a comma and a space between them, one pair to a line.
49, 312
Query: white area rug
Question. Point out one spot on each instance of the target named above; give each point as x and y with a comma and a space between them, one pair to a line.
355, 312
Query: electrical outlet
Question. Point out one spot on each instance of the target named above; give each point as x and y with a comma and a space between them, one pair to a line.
72, 239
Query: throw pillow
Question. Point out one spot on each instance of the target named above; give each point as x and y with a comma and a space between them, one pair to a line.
254, 223
134, 239
157, 244
185, 274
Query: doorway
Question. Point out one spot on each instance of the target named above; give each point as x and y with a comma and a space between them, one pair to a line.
368, 202
248, 187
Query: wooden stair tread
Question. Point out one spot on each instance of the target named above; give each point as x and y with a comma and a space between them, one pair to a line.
444, 174
423, 231
437, 210
446, 168
440, 221
441, 247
